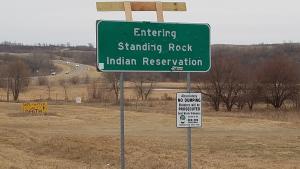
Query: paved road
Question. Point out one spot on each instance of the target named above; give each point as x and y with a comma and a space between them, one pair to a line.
69, 70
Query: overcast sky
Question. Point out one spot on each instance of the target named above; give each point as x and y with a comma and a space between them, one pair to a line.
73, 21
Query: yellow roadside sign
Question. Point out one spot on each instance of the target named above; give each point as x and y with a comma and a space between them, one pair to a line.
40, 107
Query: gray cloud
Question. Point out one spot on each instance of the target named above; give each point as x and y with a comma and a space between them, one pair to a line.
232, 21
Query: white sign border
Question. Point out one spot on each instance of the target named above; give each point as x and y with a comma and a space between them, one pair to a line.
101, 68
201, 124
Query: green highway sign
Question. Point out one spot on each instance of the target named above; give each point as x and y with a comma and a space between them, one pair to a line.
152, 47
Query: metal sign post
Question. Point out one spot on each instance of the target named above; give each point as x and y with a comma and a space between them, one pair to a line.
122, 122
189, 115
128, 15
189, 129
128, 7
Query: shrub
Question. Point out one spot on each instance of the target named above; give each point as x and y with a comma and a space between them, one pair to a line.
75, 80
42, 81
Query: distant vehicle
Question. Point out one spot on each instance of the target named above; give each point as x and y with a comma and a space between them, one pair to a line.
67, 72
77, 65
53, 73
68, 62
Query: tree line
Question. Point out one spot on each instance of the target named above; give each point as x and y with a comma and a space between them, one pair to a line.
274, 81
16, 71
12, 47
241, 76
14, 77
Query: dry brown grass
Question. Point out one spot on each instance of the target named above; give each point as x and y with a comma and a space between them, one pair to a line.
87, 137
40, 92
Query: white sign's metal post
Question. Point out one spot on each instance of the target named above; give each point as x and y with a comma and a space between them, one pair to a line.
189, 129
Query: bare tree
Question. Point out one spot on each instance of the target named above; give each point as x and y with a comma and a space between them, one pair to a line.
87, 79
144, 84
113, 83
252, 94
251, 89
39, 63
223, 83
241, 99
74, 80
278, 78
18, 73
97, 91
211, 83
92, 90
212, 91
4, 83
232, 82
49, 85
249, 94
296, 101
42, 80
64, 84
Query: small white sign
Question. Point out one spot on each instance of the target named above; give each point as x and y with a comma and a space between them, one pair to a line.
78, 100
189, 110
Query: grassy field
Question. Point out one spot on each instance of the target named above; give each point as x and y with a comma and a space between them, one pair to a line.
35, 92
87, 137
